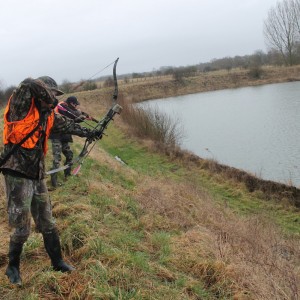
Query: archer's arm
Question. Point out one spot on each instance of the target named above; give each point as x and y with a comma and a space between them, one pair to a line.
64, 124
88, 117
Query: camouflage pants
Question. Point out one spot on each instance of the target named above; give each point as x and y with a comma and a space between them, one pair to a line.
26, 198
59, 147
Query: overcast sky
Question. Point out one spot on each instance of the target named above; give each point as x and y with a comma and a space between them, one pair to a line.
74, 39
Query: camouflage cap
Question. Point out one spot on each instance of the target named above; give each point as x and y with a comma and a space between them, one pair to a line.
73, 100
51, 84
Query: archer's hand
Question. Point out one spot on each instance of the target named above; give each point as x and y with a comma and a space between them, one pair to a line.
95, 135
88, 117
85, 115
98, 134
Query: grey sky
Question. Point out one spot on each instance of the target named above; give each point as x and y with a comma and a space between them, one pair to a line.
74, 39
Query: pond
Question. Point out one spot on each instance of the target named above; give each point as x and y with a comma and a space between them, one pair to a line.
255, 129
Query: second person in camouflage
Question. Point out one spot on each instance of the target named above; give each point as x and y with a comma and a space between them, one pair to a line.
61, 141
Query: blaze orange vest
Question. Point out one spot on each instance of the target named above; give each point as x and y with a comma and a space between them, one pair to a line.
15, 131
56, 108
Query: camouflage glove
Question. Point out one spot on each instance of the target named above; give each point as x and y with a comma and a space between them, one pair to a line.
98, 134
83, 132
95, 135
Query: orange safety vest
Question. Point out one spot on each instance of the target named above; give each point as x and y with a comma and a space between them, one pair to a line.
56, 107
15, 131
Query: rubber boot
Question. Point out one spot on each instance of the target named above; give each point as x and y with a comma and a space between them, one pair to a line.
13, 268
52, 246
54, 180
67, 172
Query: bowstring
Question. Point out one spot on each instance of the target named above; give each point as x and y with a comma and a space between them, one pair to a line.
101, 70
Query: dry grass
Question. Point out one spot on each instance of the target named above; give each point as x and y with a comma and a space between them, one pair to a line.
247, 255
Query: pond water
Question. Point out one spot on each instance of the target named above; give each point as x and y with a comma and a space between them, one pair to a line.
255, 129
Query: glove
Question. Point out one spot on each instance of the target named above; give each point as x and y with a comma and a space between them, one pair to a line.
88, 117
98, 134
94, 135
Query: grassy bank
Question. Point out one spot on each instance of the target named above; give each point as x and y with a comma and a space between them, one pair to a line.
163, 226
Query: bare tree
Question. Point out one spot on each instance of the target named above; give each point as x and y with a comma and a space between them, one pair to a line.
295, 7
281, 29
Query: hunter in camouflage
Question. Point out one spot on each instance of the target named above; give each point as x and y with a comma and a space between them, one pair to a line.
61, 140
23, 167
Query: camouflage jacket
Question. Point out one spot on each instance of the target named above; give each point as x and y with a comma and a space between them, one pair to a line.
30, 163
72, 113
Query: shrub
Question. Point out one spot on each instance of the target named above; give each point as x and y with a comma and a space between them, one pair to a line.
89, 85
151, 123
255, 72
108, 82
66, 86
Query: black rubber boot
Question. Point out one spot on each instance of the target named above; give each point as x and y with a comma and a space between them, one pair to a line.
54, 180
67, 172
13, 268
52, 245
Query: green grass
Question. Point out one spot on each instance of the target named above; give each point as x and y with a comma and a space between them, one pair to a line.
136, 156
161, 243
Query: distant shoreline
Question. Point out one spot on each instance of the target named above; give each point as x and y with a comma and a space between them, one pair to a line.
165, 86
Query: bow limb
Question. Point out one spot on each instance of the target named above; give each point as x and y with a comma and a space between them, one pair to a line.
79, 159
84, 151
102, 124
116, 91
